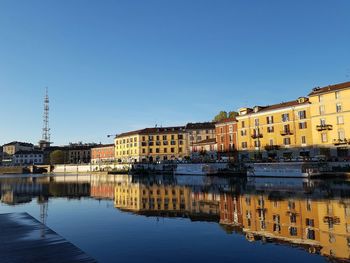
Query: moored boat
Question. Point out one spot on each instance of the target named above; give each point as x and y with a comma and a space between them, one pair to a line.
286, 169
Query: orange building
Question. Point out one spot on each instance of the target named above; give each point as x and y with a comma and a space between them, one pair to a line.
226, 138
102, 154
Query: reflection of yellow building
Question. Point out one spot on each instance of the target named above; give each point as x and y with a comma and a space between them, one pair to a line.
290, 220
334, 218
138, 197
330, 115
281, 129
152, 144
319, 225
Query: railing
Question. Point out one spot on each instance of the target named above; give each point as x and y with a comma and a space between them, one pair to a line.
256, 135
324, 127
341, 141
286, 132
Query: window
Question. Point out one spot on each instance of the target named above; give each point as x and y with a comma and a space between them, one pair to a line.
230, 128
164, 137
293, 231
257, 143
244, 145
310, 222
321, 109
269, 119
293, 218
302, 115
337, 95
150, 150
243, 124
243, 132
324, 137
270, 129
320, 98
172, 150
341, 134
338, 107
323, 122
286, 141
303, 139
302, 125
285, 117
340, 120
256, 122
165, 150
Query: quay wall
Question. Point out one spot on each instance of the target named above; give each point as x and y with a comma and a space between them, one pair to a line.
88, 168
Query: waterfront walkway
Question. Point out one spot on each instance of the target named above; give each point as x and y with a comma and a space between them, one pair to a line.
24, 239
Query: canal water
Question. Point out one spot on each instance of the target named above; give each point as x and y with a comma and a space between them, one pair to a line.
122, 218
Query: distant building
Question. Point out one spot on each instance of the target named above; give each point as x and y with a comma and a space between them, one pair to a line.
205, 150
200, 131
28, 157
226, 138
78, 153
152, 144
11, 148
102, 154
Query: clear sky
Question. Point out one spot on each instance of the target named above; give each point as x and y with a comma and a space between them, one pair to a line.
113, 66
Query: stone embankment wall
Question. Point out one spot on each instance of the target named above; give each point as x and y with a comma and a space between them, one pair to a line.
88, 168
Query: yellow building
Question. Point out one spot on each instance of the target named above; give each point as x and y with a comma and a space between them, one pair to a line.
330, 120
138, 197
279, 130
152, 144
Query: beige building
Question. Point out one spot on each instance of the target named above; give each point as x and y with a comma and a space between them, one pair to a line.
152, 144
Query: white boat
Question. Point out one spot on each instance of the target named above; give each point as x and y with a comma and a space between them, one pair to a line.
285, 169
196, 169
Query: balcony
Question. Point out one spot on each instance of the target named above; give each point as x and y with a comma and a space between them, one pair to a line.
256, 135
324, 127
286, 132
341, 141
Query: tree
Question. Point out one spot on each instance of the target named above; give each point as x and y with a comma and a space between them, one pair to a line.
57, 157
220, 116
232, 114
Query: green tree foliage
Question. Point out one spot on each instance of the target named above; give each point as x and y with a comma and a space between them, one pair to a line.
232, 114
57, 157
220, 116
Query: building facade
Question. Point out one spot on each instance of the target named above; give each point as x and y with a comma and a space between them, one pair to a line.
199, 131
11, 148
330, 120
226, 138
28, 157
76, 153
280, 130
205, 150
152, 144
102, 154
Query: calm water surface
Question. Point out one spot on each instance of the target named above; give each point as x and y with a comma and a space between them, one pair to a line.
121, 218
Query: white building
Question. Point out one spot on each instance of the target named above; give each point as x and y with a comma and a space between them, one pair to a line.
28, 157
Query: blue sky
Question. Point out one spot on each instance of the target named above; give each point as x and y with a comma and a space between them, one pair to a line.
113, 66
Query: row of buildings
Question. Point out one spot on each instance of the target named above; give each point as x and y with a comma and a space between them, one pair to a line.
316, 125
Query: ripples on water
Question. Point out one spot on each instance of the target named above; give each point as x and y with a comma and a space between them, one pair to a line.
121, 218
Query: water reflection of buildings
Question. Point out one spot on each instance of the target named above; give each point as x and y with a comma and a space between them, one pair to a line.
314, 215
308, 219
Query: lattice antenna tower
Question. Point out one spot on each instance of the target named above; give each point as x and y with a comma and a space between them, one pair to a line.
46, 129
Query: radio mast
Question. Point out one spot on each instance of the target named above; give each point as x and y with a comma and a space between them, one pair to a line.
45, 137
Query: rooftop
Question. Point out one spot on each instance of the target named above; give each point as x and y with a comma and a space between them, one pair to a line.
20, 143
329, 88
153, 131
200, 125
